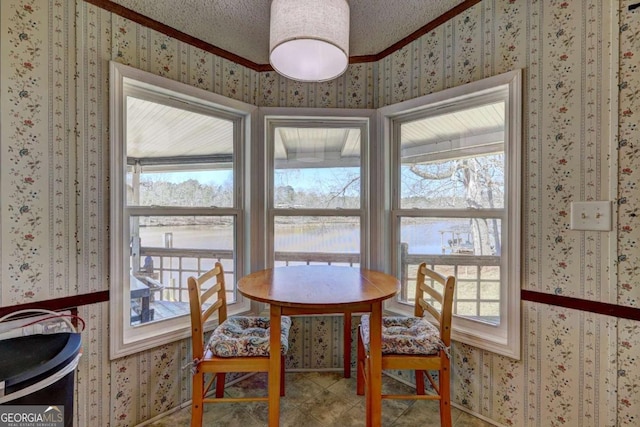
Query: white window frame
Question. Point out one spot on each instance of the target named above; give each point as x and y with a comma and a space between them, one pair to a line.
363, 119
504, 338
126, 339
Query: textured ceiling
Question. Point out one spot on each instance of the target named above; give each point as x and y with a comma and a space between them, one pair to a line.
242, 26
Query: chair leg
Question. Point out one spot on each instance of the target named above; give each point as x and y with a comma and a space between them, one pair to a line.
219, 385
281, 376
196, 401
445, 396
360, 366
419, 381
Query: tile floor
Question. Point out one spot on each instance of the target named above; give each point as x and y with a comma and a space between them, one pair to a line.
318, 399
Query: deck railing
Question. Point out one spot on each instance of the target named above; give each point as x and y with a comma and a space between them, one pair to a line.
172, 267
297, 258
477, 281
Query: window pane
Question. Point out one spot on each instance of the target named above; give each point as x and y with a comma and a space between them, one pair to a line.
477, 299
317, 240
451, 236
454, 161
177, 157
165, 251
181, 188
317, 168
448, 246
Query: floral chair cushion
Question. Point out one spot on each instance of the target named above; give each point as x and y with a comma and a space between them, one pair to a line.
406, 335
246, 336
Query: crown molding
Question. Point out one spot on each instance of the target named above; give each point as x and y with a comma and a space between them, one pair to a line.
208, 47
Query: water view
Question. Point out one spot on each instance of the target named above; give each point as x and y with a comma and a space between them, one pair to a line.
344, 237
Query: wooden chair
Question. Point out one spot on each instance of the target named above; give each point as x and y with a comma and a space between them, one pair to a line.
415, 343
237, 344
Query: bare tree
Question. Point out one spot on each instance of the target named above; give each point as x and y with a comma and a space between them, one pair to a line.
344, 188
475, 183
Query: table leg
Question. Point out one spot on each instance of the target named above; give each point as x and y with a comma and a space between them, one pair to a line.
274, 365
375, 364
367, 391
347, 344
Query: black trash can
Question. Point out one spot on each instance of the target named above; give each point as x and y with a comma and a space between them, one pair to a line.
47, 363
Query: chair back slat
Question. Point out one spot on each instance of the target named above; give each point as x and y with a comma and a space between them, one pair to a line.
209, 292
212, 309
431, 309
199, 315
442, 314
432, 292
206, 276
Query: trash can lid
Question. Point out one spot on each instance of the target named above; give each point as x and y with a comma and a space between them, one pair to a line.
25, 360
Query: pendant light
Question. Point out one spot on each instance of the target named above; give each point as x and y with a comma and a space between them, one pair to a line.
309, 39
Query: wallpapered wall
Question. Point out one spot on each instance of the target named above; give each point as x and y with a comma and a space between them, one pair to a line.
576, 368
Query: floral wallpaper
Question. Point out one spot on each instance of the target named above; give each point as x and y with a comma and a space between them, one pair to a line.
354, 89
627, 149
580, 99
24, 183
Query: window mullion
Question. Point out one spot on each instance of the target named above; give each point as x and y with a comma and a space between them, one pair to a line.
317, 212
451, 213
180, 211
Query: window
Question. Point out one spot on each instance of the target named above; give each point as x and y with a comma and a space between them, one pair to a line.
317, 189
455, 203
177, 202
439, 183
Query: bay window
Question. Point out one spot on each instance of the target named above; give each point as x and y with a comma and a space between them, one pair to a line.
195, 179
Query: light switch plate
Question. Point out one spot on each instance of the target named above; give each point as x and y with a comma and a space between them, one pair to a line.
594, 215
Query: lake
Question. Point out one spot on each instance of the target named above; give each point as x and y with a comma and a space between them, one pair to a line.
423, 237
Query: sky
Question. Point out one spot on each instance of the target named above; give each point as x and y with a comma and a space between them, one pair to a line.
300, 179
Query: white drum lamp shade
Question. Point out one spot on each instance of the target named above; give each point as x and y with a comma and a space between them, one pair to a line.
309, 39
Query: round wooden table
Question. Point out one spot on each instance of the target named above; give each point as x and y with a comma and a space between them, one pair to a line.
322, 289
